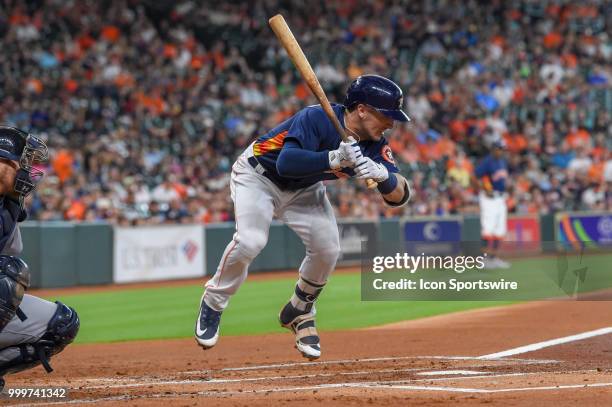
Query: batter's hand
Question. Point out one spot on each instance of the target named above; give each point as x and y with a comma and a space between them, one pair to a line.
368, 169
347, 155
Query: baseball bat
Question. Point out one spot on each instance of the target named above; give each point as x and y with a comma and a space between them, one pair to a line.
286, 38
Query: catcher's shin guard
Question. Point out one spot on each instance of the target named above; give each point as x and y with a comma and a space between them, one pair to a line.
62, 329
298, 315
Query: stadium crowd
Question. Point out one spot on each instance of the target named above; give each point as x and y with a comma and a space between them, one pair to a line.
146, 104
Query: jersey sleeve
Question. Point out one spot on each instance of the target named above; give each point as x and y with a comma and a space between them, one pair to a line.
483, 168
306, 128
382, 154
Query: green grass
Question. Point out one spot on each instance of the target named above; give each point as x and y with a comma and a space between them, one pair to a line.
170, 312
157, 313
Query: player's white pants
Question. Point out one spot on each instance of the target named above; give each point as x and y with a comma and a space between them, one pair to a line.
256, 201
493, 216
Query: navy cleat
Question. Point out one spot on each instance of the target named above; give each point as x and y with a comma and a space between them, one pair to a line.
207, 326
303, 326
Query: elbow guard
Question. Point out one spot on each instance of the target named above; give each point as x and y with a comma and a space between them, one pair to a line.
405, 198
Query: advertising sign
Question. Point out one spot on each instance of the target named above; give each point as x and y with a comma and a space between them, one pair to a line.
151, 253
433, 236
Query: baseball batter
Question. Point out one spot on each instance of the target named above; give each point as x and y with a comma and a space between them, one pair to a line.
493, 173
31, 329
280, 175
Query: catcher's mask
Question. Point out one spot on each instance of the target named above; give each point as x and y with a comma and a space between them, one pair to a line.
27, 150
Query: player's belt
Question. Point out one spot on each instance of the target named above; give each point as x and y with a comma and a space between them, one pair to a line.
257, 166
262, 171
285, 185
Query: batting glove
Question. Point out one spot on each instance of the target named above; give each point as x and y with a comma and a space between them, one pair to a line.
347, 155
368, 169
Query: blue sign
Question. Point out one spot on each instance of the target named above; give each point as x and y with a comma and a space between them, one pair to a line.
432, 236
433, 231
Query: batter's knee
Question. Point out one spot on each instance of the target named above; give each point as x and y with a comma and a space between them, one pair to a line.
251, 245
331, 255
327, 253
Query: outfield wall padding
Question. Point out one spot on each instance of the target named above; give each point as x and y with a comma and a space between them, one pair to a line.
64, 254
58, 254
94, 253
30, 234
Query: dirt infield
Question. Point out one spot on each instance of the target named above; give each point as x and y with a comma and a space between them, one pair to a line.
448, 360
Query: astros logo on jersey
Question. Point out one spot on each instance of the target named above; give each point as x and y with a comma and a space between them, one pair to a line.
387, 154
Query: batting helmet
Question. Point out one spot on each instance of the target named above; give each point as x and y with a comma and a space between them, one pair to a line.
379, 93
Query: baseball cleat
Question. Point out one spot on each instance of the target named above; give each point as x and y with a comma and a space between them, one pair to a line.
303, 326
490, 263
207, 326
502, 264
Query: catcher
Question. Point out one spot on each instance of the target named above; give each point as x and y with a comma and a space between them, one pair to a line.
31, 329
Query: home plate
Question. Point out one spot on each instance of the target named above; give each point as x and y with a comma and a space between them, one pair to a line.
451, 372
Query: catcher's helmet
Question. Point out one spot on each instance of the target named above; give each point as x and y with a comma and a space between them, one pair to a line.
379, 93
17, 145
12, 142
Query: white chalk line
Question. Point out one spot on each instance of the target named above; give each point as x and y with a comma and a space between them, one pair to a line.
469, 390
142, 381
546, 344
492, 375
451, 372
128, 382
470, 375
274, 378
396, 385
245, 379
336, 362
349, 361
149, 380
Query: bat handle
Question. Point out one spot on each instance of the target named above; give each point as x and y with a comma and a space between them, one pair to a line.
371, 183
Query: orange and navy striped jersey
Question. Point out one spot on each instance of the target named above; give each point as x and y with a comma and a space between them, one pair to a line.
269, 143
313, 131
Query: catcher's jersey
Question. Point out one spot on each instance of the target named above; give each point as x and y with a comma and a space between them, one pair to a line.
313, 131
10, 214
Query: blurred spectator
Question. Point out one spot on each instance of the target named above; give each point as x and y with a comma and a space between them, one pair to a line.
145, 105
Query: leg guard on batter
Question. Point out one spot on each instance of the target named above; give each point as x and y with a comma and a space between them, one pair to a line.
61, 331
298, 315
302, 301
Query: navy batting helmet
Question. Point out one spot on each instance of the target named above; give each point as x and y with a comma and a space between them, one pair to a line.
379, 93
